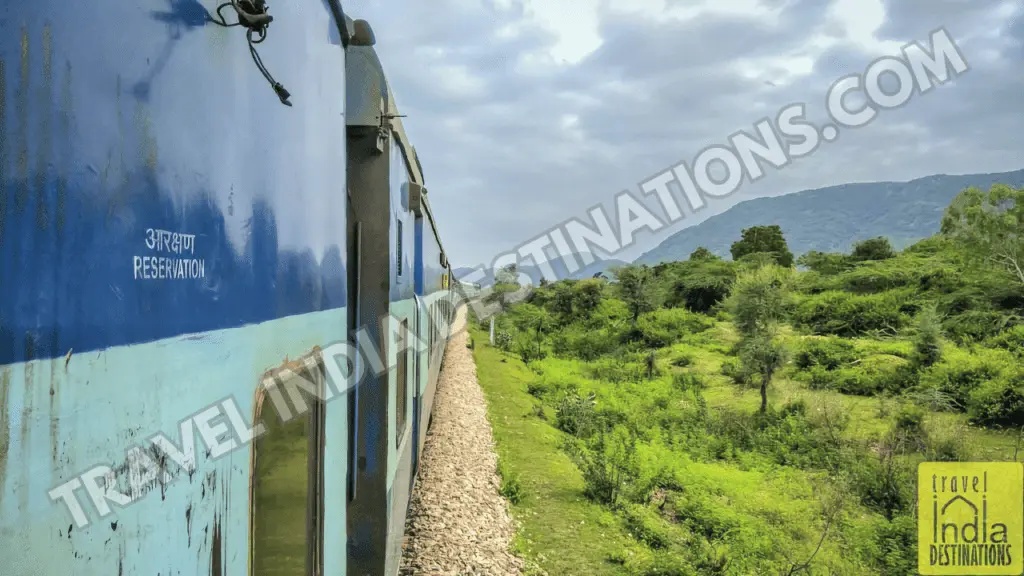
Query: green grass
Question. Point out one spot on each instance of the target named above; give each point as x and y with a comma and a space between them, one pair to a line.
563, 532
559, 529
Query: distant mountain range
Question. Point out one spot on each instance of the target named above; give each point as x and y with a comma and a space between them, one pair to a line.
535, 274
832, 219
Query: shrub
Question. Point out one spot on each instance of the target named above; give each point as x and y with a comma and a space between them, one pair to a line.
928, 340
681, 359
873, 249
869, 376
686, 381
825, 263
975, 326
909, 426
608, 465
575, 414
1012, 340
844, 314
502, 340
666, 326
587, 295
829, 353
511, 489
529, 349
895, 544
883, 482
587, 345
947, 443
998, 402
733, 369
646, 526
538, 388
617, 370
961, 372
701, 285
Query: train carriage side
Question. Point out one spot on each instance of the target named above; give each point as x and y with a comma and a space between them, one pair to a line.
169, 239
436, 327
383, 171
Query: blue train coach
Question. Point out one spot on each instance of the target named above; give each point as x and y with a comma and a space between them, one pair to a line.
224, 300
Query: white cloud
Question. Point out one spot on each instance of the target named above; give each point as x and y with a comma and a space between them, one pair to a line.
528, 112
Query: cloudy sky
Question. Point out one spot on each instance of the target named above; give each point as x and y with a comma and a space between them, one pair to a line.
529, 112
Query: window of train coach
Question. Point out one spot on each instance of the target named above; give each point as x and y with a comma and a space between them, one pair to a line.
286, 483
402, 387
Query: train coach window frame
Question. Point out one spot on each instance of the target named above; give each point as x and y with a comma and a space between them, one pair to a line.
402, 383
312, 370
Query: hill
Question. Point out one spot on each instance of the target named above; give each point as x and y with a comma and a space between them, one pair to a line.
832, 219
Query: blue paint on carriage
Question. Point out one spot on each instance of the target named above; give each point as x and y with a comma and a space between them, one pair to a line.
418, 287
117, 119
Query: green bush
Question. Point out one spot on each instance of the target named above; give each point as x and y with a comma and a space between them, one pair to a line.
529, 349
686, 381
975, 326
538, 388
681, 359
511, 489
502, 340
869, 376
617, 370
1012, 340
666, 326
844, 314
961, 371
873, 249
884, 482
608, 464
998, 402
576, 414
733, 369
895, 546
585, 344
827, 352
645, 526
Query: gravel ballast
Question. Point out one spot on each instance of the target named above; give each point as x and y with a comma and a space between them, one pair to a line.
458, 522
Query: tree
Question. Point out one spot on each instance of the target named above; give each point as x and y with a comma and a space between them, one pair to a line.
928, 339
763, 239
562, 301
873, 249
702, 254
536, 320
508, 274
990, 226
826, 263
699, 285
587, 296
760, 303
637, 289
506, 284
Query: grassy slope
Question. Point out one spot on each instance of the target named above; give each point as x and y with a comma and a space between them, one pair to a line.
566, 534
864, 411
558, 528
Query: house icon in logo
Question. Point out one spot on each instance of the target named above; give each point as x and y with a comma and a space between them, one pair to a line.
962, 509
